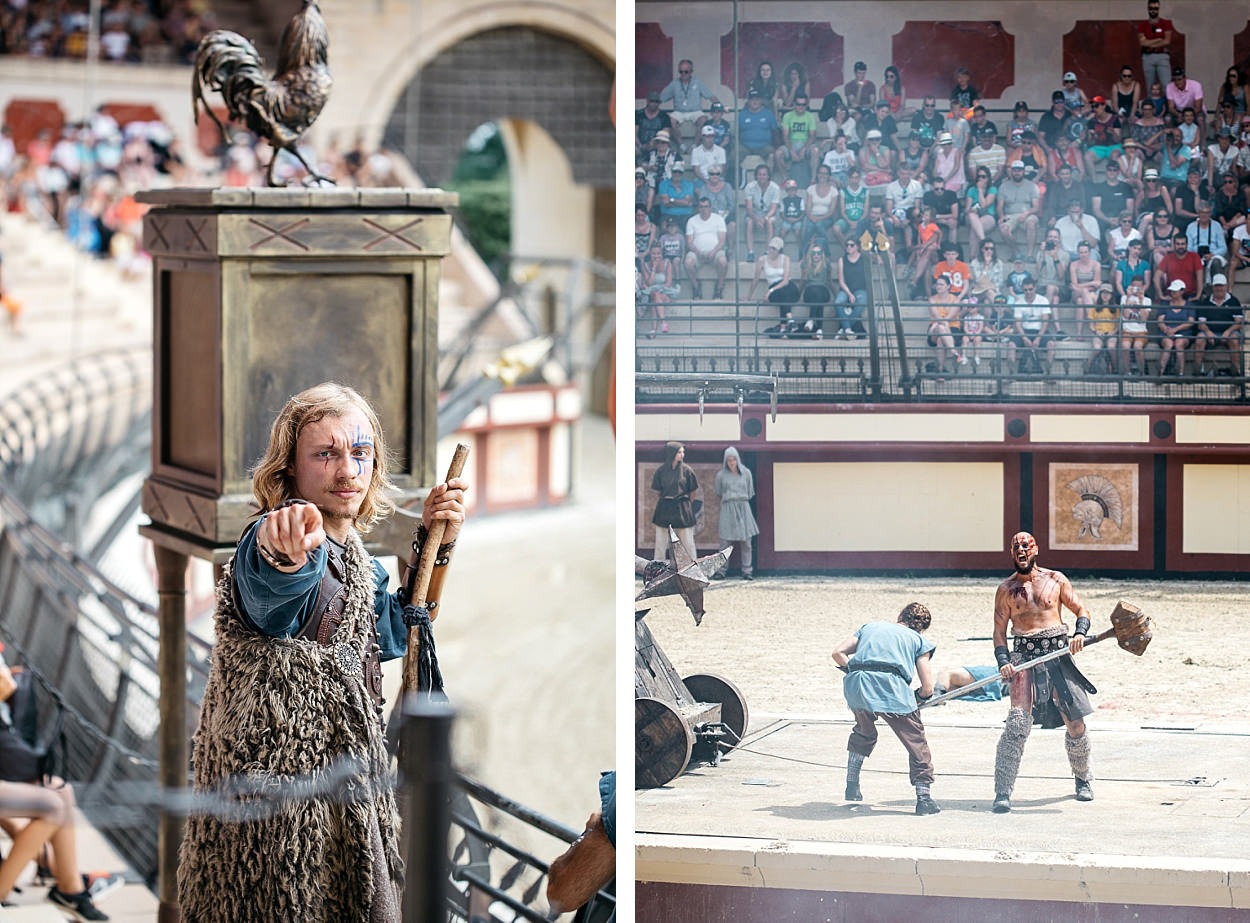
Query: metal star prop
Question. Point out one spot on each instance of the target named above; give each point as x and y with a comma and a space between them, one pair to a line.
684, 577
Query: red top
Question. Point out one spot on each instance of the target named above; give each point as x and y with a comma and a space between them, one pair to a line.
1156, 29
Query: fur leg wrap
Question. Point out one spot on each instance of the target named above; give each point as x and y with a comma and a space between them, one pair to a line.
854, 761
1078, 756
1011, 750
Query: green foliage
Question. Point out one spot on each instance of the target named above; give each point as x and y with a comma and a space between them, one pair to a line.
486, 215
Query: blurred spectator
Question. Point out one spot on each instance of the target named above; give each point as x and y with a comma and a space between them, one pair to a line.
963, 92
686, 94
649, 122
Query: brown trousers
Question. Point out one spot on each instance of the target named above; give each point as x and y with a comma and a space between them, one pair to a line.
907, 728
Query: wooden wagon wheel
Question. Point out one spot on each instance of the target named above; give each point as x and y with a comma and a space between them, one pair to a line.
708, 687
662, 743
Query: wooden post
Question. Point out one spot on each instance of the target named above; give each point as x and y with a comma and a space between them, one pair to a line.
171, 567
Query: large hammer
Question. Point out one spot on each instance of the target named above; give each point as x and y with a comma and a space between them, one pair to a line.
1132, 628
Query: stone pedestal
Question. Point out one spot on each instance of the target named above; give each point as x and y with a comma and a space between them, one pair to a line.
260, 293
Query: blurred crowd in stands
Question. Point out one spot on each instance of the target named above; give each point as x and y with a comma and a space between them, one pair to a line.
147, 31
84, 181
1096, 198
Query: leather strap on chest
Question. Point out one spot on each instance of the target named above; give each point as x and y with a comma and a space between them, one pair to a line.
327, 615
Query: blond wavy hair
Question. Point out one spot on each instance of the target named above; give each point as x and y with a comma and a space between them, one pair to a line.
272, 480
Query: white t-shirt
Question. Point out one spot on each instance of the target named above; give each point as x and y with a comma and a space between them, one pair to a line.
704, 234
701, 158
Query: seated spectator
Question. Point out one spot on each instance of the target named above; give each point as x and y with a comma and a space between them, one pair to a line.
980, 123
1228, 119
1233, 91
686, 94
1134, 334
987, 273
1158, 238
1125, 95
706, 243
1078, 228
982, 207
1019, 204
756, 127
763, 199
818, 272
948, 162
1032, 313
839, 160
1120, 236
659, 285
724, 203
1102, 134
1112, 198
1148, 131
1132, 164
1185, 197
928, 123
649, 122
923, 239
1221, 157
1153, 198
1084, 278
851, 298
1061, 193
1066, 153
915, 156
957, 124
1015, 280
860, 93
1184, 93
1205, 237
1054, 122
794, 84
1103, 317
876, 161
945, 205
893, 93
1021, 121
944, 324
48, 805
1191, 131
1181, 265
956, 270
1029, 152
799, 151
781, 289
1239, 250
1220, 323
722, 131
673, 246
676, 196
1175, 322
1074, 98
963, 93
1176, 160
790, 215
845, 125
820, 210
1051, 268
901, 196
1228, 207
879, 117
991, 155
854, 205
767, 86
705, 155
1132, 266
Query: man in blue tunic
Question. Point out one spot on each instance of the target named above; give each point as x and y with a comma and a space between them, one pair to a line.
880, 661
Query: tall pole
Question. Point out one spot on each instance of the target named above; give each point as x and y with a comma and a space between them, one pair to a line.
171, 569
426, 777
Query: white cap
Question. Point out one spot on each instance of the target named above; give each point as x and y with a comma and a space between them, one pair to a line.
1176, 286
1070, 76
872, 135
709, 130
1017, 164
1218, 279
944, 137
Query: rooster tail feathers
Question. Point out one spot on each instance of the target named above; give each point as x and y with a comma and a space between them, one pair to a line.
305, 40
228, 63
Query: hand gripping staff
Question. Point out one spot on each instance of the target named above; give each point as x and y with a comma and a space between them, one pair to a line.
1132, 628
421, 673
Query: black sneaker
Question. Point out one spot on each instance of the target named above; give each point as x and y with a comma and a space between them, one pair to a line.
927, 805
853, 793
77, 904
1084, 791
1002, 803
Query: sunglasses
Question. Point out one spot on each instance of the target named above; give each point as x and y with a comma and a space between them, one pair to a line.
1127, 74
685, 72
851, 245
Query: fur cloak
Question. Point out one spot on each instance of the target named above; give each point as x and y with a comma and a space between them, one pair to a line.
279, 716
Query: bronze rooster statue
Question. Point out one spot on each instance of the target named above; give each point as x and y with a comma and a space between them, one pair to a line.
279, 110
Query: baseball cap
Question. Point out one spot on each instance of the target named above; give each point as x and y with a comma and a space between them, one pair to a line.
1057, 96
679, 167
1106, 287
987, 131
1070, 76
1017, 165
752, 92
1150, 174
709, 130
873, 135
718, 106
653, 97
944, 137
1021, 105
639, 171
883, 103
1219, 279
1129, 142
777, 243
1178, 71
662, 135
1098, 99
1176, 286
1112, 165
791, 184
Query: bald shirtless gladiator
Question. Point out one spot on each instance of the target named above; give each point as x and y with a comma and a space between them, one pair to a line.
1031, 602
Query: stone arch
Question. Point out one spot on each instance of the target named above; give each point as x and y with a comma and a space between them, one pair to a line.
513, 72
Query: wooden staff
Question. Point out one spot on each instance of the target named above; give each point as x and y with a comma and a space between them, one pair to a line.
425, 569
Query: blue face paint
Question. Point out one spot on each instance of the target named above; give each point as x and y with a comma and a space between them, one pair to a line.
362, 459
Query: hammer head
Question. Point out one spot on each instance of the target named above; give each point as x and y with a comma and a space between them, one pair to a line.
1133, 628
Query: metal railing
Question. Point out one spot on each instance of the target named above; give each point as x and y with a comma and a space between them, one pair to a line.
894, 362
